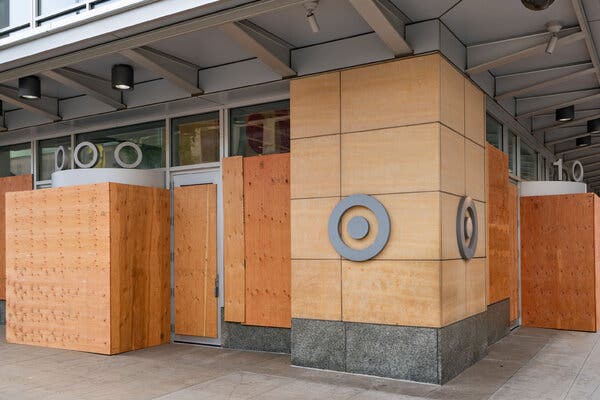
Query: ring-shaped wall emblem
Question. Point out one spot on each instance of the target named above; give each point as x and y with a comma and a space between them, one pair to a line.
94, 159
383, 227
467, 228
135, 147
60, 152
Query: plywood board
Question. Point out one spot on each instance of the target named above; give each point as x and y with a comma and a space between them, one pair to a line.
267, 237
396, 93
233, 240
513, 250
558, 262
405, 159
309, 218
140, 267
9, 184
315, 167
315, 105
317, 288
392, 292
195, 225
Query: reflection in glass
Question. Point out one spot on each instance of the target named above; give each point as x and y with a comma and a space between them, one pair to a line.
512, 153
260, 129
493, 131
46, 7
149, 136
15, 159
14, 13
46, 150
195, 139
529, 164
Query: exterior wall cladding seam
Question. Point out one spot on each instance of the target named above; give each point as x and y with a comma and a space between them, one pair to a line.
396, 314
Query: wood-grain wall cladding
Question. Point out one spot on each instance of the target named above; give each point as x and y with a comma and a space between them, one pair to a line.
502, 216
9, 184
411, 135
256, 193
559, 266
88, 267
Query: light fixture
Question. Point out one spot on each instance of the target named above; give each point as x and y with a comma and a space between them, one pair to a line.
593, 125
583, 141
553, 27
311, 6
537, 5
122, 77
565, 114
29, 87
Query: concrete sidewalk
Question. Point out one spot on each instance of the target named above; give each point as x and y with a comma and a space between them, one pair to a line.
529, 364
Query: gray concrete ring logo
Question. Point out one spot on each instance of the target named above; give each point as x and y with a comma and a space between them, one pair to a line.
358, 227
467, 229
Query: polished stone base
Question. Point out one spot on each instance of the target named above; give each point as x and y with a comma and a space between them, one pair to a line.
432, 355
256, 338
498, 320
2, 312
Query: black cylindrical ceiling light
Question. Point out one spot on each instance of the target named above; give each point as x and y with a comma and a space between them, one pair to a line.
583, 141
593, 125
29, 87
122, 77
565, 114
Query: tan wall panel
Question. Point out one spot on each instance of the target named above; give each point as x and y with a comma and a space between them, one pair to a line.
452, 162
481, 221
449, 207
234, 279
315, 105
474, 113
315, 167
476, 285
401, 92
391, 292
454, 291
475, 170
317, 289
452, 97
309, 228
396, 160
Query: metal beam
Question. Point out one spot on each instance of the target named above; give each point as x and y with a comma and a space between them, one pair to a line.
547, 83
528, 52
267, 47
44, 106
578, 149
91, 85
553, 107
387, 22
589, 41
244, 11
565, 139
595, 155
176, 71
568, 123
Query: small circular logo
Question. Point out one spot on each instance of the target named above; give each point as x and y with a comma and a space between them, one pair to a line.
467, 229
358, 227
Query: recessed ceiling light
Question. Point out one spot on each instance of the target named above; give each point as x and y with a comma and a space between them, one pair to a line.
565, 114
29, 87
583, 141
593, 125
122, 77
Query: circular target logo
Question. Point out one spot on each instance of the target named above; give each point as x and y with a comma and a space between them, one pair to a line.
358, 227
467, 229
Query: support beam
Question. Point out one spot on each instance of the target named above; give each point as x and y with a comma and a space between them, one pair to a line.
589, 41
553, 107
528, 52
576, 121
387, 21
590, 156
91, 85
547, 83
566, 139
176, 71
45, 106
267, 47
578, 149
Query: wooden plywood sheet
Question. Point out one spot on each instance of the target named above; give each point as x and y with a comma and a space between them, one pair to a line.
513, 250
195, 225
317, 288
140, 267
315, 167
558, 262
9, 184
58, 268
233, 241
267, 237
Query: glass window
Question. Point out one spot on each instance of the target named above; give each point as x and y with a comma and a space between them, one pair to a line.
46, 7
150, 136
15, 159
195, 139
14, 13
493, 131
46, 161
544, 169
260, 129
512, 153
529, 164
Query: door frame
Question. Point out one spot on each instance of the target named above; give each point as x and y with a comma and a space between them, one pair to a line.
190, 178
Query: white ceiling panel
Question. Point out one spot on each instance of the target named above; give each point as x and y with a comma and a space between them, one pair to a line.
592, 9
102, 66
476, 21
419, 10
